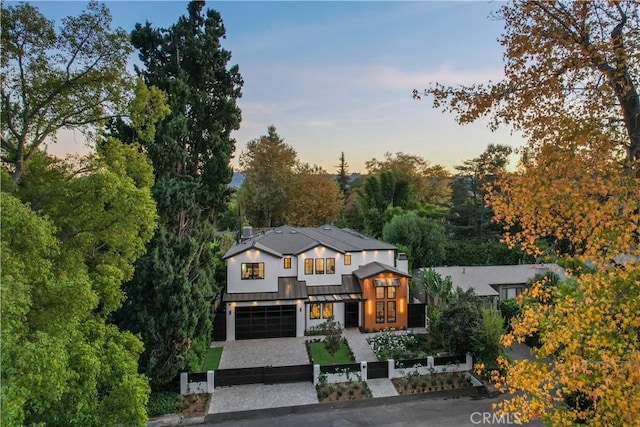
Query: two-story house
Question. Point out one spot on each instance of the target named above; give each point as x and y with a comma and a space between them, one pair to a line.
286, 280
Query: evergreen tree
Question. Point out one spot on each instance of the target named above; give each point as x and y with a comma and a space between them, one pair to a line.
343, 175
469, 215
170, 295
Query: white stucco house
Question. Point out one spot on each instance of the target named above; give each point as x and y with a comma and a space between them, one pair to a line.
283, 281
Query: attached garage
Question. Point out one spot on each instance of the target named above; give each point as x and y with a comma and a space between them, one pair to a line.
274, 321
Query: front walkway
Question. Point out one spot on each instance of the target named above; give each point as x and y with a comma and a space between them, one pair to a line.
361, 349
381, 387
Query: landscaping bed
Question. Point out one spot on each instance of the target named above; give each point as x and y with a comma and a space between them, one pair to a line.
195, 405
430, 383
163, 403
336, 392
318, 353
399, 345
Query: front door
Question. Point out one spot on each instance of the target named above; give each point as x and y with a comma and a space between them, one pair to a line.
351, 314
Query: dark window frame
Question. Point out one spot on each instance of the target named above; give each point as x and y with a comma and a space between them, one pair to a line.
380, 319
347, 259
308, 266
252, 270
311, 307
332, 269
395, 314
327, 304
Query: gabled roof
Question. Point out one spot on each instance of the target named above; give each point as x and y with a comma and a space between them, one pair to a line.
480, 278
286, 240
376, 267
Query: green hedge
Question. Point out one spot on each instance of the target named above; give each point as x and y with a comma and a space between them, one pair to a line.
458, 252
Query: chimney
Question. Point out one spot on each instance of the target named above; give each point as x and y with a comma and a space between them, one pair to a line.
247, 232
402, 263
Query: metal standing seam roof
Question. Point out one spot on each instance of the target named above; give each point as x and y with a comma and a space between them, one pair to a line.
289, 288
374, 268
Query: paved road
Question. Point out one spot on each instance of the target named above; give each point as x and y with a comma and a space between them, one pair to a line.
415, 413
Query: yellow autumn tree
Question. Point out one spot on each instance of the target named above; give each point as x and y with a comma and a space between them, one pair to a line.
572, 72
314, 197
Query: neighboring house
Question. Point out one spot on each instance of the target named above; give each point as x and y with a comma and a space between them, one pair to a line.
497, 282
285, 280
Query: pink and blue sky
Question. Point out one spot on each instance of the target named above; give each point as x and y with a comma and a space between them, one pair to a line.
337, 76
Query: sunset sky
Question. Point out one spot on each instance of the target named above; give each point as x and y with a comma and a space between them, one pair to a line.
338, 76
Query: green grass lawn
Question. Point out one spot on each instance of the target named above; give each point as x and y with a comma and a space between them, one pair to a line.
321, 356
212, 360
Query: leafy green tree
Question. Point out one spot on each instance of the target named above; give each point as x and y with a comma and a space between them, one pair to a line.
457, 321
473, 252
423, 236
230, 219
169, 298
469, 216
52, 79
485, 336
439, 290
70, 235
429, 183
268, 164
380, 198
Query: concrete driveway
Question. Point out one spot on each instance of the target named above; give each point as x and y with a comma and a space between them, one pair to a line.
263, 352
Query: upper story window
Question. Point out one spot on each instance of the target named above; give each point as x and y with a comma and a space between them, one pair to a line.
287, 262
331, 265
252, 270
385, 291
320, 266
308, 266
347, 259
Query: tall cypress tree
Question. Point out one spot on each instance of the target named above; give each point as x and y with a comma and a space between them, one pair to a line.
169, 298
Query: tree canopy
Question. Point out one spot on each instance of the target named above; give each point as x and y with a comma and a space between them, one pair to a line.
429, 183
469, 216
314, 199
571, 86
170, 296
268, 164
71, 77
69, 237
423, 237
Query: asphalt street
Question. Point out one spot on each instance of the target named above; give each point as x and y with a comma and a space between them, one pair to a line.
418, 413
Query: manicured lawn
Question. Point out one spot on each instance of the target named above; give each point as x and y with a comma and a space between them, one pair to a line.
321, 356
212, 360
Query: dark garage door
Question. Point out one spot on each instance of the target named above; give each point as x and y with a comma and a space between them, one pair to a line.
265, 322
